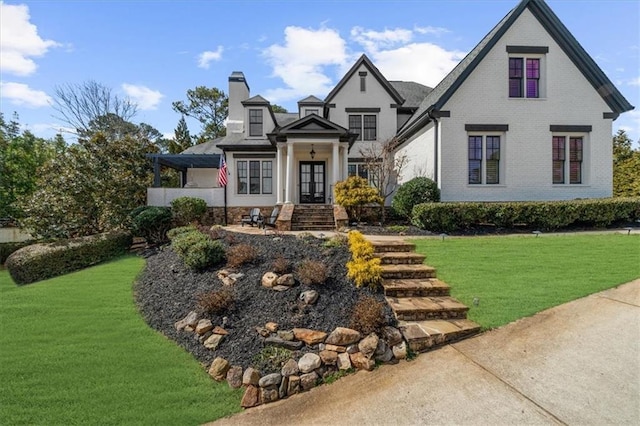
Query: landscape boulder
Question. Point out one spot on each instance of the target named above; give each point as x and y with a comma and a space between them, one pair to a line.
342, 336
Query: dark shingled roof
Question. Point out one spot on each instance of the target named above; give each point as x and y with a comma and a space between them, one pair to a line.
311, 100
204, 148
284, 118
255, 100
550, 21
412, 92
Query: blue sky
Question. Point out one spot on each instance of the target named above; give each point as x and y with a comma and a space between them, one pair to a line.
154, 51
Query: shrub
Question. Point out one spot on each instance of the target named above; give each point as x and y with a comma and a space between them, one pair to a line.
368, 315
355, 193
175, 232
416, 191
41, 261
188, 209
311, 272
215, 302
271, 359
241, 254
338, 240
197, 250
280, 265
543, 215
152, 223
363, 268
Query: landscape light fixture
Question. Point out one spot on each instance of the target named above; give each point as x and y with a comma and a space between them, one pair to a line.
312, 153
536, 233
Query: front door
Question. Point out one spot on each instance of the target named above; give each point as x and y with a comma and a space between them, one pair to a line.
312, 182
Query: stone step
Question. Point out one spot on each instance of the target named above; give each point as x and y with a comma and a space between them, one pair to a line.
422, 308
312, 219
313, 227
428, 287
424, 335
407, 271
400, 258
393, 246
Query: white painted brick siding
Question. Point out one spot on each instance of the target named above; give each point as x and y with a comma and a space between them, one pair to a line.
526, 150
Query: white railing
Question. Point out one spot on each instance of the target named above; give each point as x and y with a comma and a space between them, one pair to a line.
164, 196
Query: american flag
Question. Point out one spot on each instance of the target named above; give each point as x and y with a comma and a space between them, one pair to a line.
222, 171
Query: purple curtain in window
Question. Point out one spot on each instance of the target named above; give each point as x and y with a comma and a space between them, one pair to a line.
515, 77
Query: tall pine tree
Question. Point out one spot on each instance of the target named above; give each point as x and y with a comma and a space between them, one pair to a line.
182, 138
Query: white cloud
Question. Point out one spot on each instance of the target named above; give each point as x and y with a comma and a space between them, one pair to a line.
634, 81
205, 58
424, 63
302, 61
630, 123
19, 40
22, 94
375, 40
145, 98
431, 30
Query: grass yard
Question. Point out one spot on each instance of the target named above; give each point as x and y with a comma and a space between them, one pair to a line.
518, 276
74, 350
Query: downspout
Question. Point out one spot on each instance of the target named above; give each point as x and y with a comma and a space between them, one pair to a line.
436, 125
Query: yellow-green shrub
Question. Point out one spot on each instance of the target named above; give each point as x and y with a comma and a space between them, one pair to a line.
363, 268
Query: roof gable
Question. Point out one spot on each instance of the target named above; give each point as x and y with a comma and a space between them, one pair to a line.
312, 126
364, 60
556, 29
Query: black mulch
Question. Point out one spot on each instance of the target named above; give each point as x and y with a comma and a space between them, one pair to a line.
167, 291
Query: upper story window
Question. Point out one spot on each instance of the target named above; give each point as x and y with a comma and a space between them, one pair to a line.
255, 122
310, 111
524, 78
365, 125
526, 71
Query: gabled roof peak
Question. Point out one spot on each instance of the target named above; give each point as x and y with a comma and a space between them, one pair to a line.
364, 60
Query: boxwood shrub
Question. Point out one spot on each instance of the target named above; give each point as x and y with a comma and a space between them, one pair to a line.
7, 248
196, 249
41, 261
188, 210
543, 215
416, 191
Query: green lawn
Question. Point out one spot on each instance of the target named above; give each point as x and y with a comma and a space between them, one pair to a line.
517, 276
74, 350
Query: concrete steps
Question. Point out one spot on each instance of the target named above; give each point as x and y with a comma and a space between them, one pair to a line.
428, 316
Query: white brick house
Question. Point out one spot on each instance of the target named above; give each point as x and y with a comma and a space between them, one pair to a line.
527, 115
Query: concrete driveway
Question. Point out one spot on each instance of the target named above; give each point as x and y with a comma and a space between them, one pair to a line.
578, 363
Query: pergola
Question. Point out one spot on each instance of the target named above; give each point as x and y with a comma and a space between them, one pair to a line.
182, 162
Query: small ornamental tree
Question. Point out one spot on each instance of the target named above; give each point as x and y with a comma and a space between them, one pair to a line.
354, 193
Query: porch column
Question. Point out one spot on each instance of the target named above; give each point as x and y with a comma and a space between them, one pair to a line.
289, 171
336, 168
345, 162
279, 166
156, 173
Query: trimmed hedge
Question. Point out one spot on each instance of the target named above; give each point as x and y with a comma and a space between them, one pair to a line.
543, 215
41, 261
7, 248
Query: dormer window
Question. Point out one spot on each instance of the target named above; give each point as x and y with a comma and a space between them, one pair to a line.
311, 111
255, 122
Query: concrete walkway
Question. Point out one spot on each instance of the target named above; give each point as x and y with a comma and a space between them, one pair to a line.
578, 363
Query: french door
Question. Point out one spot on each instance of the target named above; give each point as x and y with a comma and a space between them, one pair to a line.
312, 177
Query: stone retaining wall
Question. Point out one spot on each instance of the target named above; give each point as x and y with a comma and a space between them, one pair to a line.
327, 354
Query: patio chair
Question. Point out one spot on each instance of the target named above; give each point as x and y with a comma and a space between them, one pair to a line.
253, 218
271, 220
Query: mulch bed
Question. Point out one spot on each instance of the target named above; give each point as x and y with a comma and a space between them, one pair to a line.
167, 291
